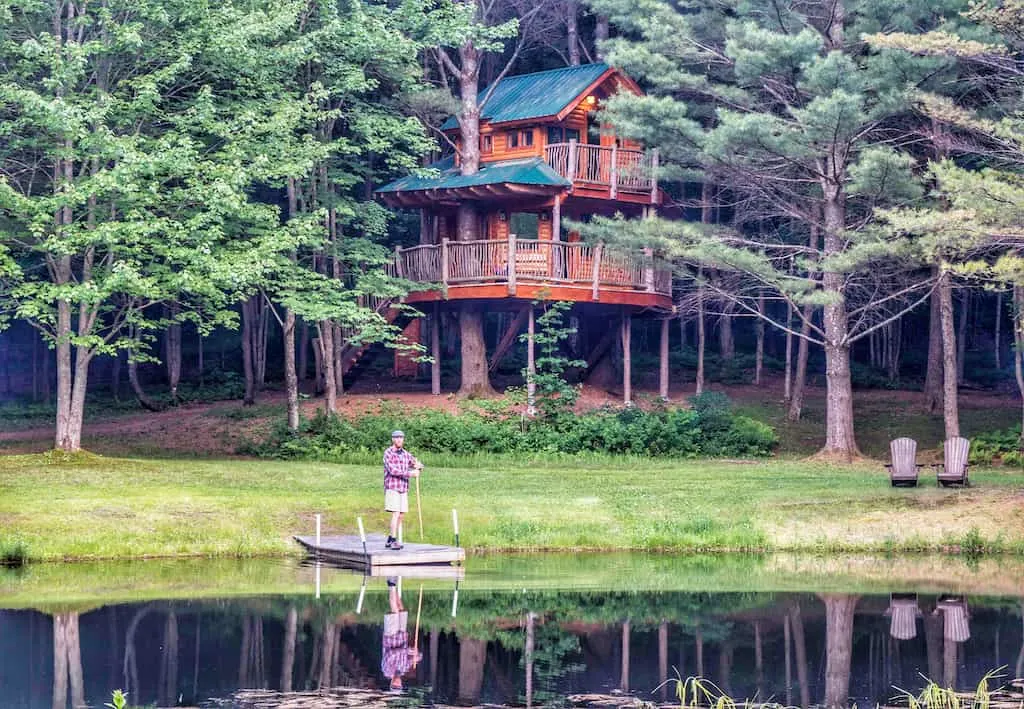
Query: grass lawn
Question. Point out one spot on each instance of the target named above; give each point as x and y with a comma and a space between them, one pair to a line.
96, 507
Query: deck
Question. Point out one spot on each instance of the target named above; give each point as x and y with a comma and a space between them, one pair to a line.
520, 268
607, 172
348, 550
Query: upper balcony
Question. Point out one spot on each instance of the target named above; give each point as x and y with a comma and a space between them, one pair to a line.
529, 269
607, 172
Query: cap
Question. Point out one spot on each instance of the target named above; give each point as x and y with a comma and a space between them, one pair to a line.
397, 434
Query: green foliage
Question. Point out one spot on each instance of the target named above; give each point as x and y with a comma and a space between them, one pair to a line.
998, 447
555, 396
13, 551
709, 429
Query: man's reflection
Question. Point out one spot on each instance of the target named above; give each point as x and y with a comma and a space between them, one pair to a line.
397, 658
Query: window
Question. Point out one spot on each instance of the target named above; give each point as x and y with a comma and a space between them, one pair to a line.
487, 144
518, 139
561, 134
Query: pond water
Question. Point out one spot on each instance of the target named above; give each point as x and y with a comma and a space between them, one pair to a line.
516, 630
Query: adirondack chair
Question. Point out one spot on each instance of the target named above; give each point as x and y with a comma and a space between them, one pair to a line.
903, 614
953, 468
903, 468
955, 619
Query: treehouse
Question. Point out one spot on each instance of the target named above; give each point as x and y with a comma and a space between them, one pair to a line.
544, 158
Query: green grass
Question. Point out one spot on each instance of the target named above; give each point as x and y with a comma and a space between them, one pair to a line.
89, 507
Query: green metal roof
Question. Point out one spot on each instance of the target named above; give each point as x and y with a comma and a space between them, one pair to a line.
537, 95
528, 171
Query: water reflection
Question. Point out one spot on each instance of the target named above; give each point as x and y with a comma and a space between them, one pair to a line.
517, 647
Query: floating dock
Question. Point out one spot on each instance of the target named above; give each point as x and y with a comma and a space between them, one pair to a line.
350, 552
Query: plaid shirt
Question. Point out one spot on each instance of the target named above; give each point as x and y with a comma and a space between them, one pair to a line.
398, 464
395, 660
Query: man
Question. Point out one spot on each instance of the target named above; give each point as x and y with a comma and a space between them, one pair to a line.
399, 466
397, 658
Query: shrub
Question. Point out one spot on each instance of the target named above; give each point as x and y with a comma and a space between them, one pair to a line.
997, 447
708, 429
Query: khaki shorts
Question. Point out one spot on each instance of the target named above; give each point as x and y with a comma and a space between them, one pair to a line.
395, 501
395, 623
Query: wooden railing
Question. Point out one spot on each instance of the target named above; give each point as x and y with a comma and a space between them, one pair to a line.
618, 169
529, 260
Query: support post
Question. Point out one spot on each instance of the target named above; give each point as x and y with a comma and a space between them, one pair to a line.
571, 161
511, 264
435, 352
613, 172
318, 531
663, 362
531, 366
654, 176
649, 270
627, 360
362, 537
399, 269
557, 252
597, 270
455, 525
444, 265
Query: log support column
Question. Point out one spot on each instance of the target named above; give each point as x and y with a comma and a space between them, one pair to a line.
663, 362
627, 360
435, 351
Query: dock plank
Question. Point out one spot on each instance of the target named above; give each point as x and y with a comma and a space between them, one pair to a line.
349, 549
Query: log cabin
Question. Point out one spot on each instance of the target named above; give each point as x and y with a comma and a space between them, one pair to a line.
545, 158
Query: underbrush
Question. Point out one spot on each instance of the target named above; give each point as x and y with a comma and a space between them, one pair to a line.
709, 429
998, 447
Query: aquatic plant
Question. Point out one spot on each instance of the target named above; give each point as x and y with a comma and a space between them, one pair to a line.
13, 551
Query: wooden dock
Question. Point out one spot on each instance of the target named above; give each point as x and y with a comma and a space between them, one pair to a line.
349, 551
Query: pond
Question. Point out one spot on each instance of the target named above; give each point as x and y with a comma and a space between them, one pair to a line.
513, 630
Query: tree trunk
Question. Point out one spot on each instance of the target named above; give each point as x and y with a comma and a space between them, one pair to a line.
291, 379
840, 441
472, 657
701, 335
303, 352
759, 350
961, 335
325, 328
800, 655
115, 376
471, 320
259, 347
288, 651
600, 35
66, 438
950, 405
839, 610
248, 361
726, 341
1018, 350
168, 681
133, 377
172, 354
338, 340
60, 663
933, 382
572, 31
997, 350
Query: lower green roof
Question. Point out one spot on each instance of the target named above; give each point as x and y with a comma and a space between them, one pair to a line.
528, 171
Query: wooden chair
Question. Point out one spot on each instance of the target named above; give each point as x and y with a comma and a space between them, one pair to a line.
903, 613
953, 468
903, 468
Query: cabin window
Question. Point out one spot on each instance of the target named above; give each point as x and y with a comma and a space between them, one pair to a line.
561, 134
518, 139
525, 225
487, 144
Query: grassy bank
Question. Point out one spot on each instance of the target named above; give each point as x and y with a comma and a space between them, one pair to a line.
95, 507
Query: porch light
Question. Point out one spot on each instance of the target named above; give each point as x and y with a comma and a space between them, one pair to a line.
590, 100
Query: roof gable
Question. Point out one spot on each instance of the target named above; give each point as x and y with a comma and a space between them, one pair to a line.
537, 95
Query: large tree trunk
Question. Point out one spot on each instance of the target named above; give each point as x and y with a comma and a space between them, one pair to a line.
838, 648
572, 31
997, 349
759, 348
471, 321
840, 441
950, 405
933, 374
1018, 350
726, 340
